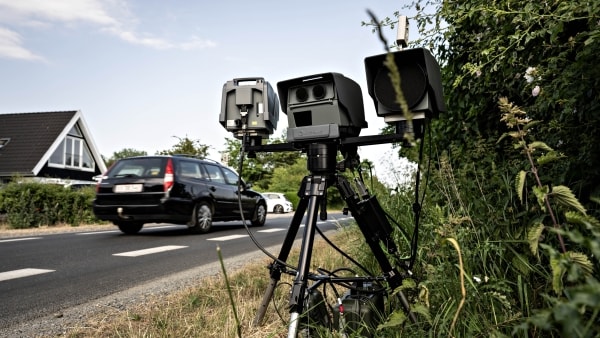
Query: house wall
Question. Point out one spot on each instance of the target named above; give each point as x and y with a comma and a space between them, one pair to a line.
68, 174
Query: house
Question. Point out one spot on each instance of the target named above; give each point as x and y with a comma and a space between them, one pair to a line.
50, 147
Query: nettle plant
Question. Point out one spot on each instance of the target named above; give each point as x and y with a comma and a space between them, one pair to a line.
573, 250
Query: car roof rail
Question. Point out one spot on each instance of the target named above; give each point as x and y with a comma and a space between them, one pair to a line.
197, 157
211, 160
187, 155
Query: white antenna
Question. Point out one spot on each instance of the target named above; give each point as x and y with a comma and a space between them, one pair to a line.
402, 37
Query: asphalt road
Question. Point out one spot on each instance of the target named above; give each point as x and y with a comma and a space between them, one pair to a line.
42, 275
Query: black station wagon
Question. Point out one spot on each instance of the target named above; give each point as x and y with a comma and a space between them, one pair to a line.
174, 189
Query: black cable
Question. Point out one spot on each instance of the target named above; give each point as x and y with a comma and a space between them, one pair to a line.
254, 240
341, 252
404, 233
275, 304
333, 273
282, 263
418, 204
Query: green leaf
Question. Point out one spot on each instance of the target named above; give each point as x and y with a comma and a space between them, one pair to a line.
514, 134
543, 320
582, 261
549, 157
502, 137
540, 194
567, 315
539, 145
408, 283
565, 197
396, 319
422, 310
587, 221
519, 144
521, 264
588, 41
520, 184
586, 294
533, 237
558, 272
530, 124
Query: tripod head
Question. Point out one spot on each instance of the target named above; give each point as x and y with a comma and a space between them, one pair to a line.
321, 158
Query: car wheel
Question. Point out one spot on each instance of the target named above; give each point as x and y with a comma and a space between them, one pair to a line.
202, 218
278, 209
260, 215
130, 228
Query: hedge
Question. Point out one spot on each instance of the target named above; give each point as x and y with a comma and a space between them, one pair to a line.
29, 205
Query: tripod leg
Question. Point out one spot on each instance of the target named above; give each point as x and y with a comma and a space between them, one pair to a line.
283, 256
375, 228
317, 186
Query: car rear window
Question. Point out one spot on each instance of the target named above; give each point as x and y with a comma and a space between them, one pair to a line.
138, 167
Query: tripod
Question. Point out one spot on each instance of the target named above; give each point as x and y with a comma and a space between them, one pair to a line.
366, 211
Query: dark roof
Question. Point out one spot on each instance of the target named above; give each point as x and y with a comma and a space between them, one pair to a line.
31, 135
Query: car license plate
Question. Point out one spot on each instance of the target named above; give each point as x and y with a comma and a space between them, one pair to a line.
128, 188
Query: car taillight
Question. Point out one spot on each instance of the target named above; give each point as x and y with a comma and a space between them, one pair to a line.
168, 183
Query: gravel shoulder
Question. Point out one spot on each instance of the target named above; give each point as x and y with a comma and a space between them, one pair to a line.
5, 232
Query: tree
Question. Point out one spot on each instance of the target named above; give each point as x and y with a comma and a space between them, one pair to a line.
186, 146
541, 56
288, 178
124, 153
259, 169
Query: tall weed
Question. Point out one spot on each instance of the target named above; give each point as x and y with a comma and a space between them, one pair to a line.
563, 239
529, 249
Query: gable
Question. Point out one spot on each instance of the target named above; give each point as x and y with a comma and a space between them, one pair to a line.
34, 137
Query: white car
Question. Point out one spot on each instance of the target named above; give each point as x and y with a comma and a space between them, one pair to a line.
277, 203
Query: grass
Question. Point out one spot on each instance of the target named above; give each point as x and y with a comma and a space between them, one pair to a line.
6, 231
205, 310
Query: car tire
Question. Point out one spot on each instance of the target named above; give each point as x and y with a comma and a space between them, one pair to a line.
260, 215
130, 228
278, 209
202, 218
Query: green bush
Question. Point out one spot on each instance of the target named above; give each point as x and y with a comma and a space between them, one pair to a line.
30, 205
525, 260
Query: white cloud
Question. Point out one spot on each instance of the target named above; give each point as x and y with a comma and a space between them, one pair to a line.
60, 10
133, 38
11, 46
196, 43
111, 16
157, 43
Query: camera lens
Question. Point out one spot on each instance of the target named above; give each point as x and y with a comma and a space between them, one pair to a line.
301, 94
319, 92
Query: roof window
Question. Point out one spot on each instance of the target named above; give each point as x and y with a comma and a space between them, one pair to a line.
4, 141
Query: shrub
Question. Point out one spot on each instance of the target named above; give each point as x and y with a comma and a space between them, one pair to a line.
30, 205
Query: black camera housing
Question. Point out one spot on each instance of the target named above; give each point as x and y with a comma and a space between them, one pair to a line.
322, 106
249, 105
421, 84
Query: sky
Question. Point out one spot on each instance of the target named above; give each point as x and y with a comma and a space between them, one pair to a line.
147, 72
